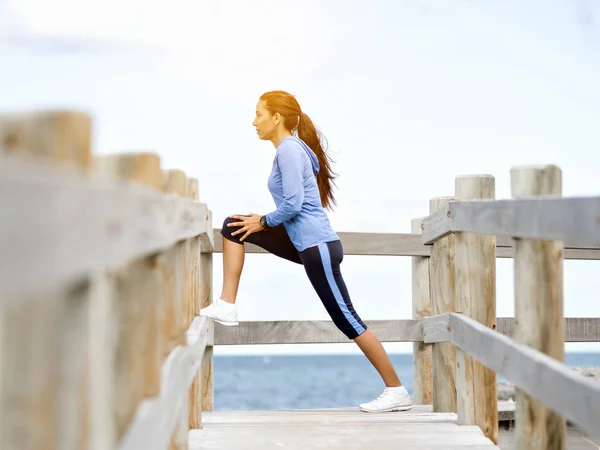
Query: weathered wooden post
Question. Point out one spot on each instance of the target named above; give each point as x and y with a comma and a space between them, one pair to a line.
421, 307
171, 262
475, 287
201, 392
441, 281
127, 342
44, 335
206, 295
539, 316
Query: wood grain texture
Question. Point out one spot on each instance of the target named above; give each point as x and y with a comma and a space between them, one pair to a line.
335, 429
136, 298
577, 329
59, 138
44, 386
475, 285
312, 332
421, 307
441, 281
403, 244
538, 281
437, 225
115, 223
536, 374
575, 219
156, 418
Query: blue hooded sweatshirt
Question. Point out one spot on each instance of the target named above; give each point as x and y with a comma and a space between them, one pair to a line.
293, 186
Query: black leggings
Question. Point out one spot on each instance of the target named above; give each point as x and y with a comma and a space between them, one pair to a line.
322, 265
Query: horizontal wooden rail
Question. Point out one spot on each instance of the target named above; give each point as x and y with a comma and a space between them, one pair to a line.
155, 418
568, 393
62, 224
406, 244
548, 218
585, 329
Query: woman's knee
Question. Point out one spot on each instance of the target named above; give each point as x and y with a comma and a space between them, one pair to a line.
226, 230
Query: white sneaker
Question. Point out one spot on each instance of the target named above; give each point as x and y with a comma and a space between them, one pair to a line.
221, 311
395, 399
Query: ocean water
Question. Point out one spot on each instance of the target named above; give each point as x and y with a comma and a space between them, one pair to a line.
315, 381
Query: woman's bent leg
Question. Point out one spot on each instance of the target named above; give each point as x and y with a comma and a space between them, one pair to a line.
233, 263
274, 240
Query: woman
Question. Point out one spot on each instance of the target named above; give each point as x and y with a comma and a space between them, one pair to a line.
299, 231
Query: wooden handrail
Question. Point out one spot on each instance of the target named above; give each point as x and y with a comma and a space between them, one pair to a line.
105, 262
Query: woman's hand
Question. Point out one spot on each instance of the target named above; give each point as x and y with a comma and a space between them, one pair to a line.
250, 224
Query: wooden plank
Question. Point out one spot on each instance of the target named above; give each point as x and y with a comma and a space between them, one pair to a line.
441, 281
576, 219
538, 281
335, 428
437, 225
115, 223
475, 287
577, 329
355, 243
311, 332
535, 373
156, 418
404, 244
421, 307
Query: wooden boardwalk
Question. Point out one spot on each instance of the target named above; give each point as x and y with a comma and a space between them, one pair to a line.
349, 428
107, 260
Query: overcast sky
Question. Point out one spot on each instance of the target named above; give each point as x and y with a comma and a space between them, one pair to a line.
410, 94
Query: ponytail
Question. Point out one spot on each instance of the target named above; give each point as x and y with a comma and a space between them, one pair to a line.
314, 139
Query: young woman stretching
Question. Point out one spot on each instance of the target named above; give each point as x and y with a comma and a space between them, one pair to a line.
299, 231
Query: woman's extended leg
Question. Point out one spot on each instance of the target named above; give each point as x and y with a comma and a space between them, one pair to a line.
374, 351
322, 265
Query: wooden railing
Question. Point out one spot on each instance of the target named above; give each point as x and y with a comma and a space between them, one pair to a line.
105, 262
458, 342
468, 351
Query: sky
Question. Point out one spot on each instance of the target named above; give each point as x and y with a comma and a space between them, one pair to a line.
410, 94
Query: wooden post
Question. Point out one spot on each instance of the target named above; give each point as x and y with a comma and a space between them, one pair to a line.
45, 378
421, 307
475, 286
177, 183
441, 281
133, 301
206, 296
539, 316
173, 331
202, 391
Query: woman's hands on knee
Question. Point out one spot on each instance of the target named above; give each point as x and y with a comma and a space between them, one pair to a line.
249, 224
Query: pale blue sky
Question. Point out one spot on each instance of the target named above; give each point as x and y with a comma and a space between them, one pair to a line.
410, 94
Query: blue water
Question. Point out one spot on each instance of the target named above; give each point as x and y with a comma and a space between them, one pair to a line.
315, 381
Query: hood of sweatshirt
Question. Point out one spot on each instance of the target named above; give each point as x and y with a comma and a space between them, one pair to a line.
313, 158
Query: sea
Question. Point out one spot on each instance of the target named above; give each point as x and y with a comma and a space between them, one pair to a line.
315, 381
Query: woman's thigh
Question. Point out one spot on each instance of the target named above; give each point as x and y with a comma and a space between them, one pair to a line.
322, 265
274, 240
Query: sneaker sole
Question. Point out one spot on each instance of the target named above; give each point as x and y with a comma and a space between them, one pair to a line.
227, 324
397, 408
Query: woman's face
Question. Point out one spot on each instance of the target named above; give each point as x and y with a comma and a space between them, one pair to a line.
264, 122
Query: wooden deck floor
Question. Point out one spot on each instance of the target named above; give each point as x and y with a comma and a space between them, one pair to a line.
346, 429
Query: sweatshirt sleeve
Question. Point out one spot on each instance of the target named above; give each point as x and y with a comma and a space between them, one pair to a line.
290, 162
